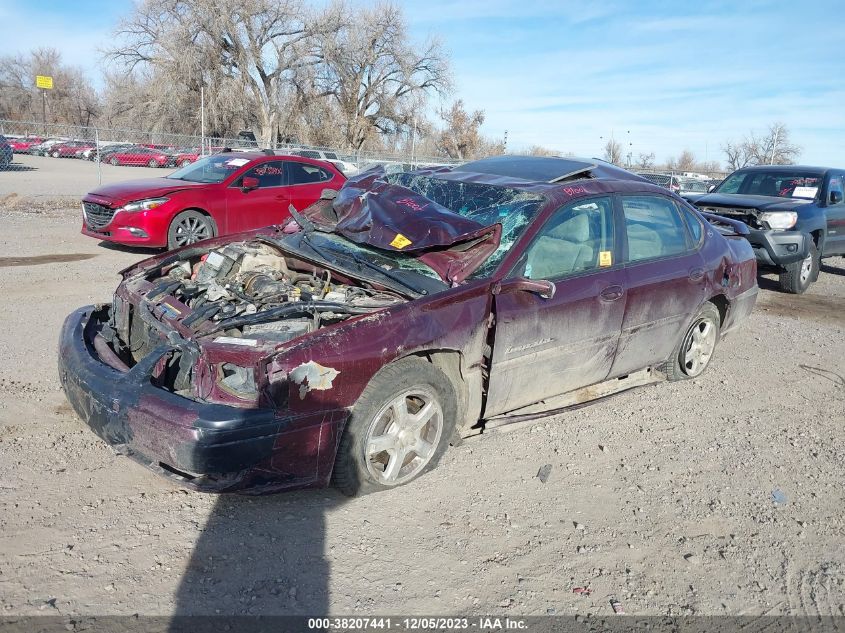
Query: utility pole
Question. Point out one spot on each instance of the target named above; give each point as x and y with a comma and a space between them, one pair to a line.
202, 120
44, 109
413, 139
774, 145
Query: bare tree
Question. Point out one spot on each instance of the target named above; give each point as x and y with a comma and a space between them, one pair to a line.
377, 77
685, 162
645, 161
72, 100
613, 152
247, 50
772, 148
460, 138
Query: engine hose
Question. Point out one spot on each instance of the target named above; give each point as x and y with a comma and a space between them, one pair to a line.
273, 314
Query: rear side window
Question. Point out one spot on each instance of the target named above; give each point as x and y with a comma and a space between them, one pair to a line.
307, 153
269, 174
694, 226
836, 186
654, 228
304, 173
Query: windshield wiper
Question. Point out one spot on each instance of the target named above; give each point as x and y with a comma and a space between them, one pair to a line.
387, 272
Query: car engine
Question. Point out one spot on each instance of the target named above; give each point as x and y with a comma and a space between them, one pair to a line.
250, 290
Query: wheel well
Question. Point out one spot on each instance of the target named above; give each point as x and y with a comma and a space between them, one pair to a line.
449, 362
818, 237
722, 304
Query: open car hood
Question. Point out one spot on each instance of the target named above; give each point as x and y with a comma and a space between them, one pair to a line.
369, 210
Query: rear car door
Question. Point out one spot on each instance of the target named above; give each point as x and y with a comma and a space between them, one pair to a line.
305, 182
548, 346
664, 277
835, 212
259, 207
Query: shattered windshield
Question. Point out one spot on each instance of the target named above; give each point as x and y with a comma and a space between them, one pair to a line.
483, 203
210, 169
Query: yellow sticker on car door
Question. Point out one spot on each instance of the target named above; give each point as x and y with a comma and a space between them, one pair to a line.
400, 241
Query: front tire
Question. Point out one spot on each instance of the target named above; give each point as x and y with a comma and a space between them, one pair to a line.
398, 429
693, 355
799, 275
189, 227
153, 163
114, 162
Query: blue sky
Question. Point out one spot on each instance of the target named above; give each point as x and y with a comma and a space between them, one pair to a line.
662, 76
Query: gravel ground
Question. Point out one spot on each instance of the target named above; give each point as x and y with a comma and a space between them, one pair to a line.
721, 495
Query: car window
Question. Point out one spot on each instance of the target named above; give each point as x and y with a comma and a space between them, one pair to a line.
331, 156
694, 225
305, 173
836, 185
269, 174
773, 183
307, 153
577, 238
654, 227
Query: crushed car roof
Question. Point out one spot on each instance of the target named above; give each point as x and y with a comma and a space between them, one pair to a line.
546, 169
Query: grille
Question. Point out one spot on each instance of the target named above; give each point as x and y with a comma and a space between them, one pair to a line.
96, 215
748, 216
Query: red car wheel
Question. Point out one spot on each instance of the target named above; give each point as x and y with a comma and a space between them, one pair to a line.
114, 161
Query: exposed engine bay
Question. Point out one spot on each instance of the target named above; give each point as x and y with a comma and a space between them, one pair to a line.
247, 294
251, 290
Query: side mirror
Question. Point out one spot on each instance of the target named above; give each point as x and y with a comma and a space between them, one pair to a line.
835, 197
711, 188
249, 183
542, 287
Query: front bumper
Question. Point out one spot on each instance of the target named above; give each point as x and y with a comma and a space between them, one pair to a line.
779, 248
124, 227
208, 447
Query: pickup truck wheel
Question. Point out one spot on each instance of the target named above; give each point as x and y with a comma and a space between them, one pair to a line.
398, 429
798, 276
696, 349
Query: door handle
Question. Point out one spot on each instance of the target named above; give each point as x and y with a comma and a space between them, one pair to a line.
696, 274
611, 293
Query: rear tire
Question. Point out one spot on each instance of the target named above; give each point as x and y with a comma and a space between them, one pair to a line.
153, 163
189, 227
694, 353
185, 163
799, 275
398, 429
114, 162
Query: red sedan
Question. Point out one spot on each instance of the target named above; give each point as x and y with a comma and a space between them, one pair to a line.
22, 145
217, 195
70, 149
141, 156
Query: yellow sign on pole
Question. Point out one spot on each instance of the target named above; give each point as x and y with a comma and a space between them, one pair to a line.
44, 81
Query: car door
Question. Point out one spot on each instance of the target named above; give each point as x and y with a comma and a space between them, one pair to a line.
664, 278
305, 182
835, 212
548, 346
263, 206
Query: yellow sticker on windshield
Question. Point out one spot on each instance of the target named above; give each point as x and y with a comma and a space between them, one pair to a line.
605, 258
400, 241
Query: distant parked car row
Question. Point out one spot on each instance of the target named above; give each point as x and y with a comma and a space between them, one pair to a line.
148, 154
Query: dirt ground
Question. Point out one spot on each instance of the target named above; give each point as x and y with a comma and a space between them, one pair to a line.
721, 495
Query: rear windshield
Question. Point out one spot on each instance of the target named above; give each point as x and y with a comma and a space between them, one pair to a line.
211, 169
773, 183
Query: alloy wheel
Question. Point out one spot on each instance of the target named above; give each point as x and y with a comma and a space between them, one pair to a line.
403, 437
701, 342
191, 230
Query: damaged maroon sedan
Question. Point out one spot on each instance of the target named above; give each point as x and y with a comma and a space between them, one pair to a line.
354, 344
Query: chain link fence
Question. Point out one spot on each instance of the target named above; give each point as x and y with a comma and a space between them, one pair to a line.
71, 160
65, 160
